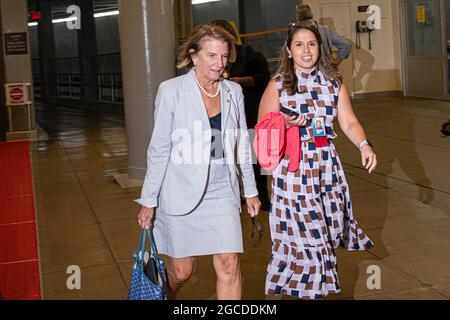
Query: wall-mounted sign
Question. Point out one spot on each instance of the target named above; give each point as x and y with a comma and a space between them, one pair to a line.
421, 17
36, 15
16, 43
16, 94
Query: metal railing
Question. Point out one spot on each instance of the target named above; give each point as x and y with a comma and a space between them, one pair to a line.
109, 87
106, 89
68, 85
64, 80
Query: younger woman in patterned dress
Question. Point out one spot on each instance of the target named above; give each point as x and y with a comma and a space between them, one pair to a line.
311, 212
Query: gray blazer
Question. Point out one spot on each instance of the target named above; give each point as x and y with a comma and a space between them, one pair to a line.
178, 155
332, 39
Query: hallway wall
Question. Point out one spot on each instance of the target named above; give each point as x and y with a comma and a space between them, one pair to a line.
376, 70
205, 12
277, 14
258, 15
379, 69
447, 24
3, 111
107, 29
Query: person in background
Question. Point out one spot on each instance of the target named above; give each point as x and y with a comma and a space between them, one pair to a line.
251, 71
192, 178
330, 38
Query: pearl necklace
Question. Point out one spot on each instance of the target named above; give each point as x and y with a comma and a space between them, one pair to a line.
211, 95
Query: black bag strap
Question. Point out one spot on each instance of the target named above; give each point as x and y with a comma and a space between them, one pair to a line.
142, 245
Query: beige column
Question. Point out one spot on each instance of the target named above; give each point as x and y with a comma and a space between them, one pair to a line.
16, 68
147, 48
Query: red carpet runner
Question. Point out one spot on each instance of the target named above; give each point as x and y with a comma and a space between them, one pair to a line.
19, 266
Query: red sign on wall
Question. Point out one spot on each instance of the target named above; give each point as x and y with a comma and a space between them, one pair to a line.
36, 15
16, 93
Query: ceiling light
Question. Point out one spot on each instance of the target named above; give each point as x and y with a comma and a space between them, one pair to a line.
106, 14
203, 1
96, 15
64, 19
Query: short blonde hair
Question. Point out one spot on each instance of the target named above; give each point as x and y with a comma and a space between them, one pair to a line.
196, 39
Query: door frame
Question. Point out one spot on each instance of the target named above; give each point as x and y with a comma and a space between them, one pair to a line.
445, 94
445, 64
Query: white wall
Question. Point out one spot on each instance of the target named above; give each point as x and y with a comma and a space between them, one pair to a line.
379, 69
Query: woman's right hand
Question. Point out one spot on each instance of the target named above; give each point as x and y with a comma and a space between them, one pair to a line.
145, 217
292, 121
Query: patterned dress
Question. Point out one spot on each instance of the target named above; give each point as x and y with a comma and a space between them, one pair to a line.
311, 212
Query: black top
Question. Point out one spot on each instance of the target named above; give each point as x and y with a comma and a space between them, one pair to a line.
251, 63
216, 138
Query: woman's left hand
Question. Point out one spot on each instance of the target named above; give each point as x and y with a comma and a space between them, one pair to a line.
368, 157
253, 205
292, 121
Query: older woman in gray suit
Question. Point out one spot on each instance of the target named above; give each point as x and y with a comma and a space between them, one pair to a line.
198, 148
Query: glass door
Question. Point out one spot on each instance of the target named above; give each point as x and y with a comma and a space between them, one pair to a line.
423, 54
446, 11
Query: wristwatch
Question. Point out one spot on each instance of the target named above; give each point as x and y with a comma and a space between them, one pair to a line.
365, 142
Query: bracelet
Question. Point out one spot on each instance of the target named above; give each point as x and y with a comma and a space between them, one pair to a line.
365, 142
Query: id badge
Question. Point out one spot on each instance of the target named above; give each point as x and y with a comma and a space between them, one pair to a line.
318, 125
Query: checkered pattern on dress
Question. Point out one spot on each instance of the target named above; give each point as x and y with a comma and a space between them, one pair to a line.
316, 97
311, 212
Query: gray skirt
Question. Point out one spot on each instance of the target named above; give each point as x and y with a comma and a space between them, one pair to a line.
213, 227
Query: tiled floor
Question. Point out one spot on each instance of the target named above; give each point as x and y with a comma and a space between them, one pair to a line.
85, 219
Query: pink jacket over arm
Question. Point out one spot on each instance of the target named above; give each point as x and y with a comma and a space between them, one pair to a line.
273, 142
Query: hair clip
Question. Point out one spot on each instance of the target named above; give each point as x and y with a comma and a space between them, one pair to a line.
306, 24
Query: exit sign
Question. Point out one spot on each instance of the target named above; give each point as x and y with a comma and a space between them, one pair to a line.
36, 15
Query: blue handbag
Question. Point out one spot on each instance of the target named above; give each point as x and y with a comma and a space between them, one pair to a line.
148, 278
